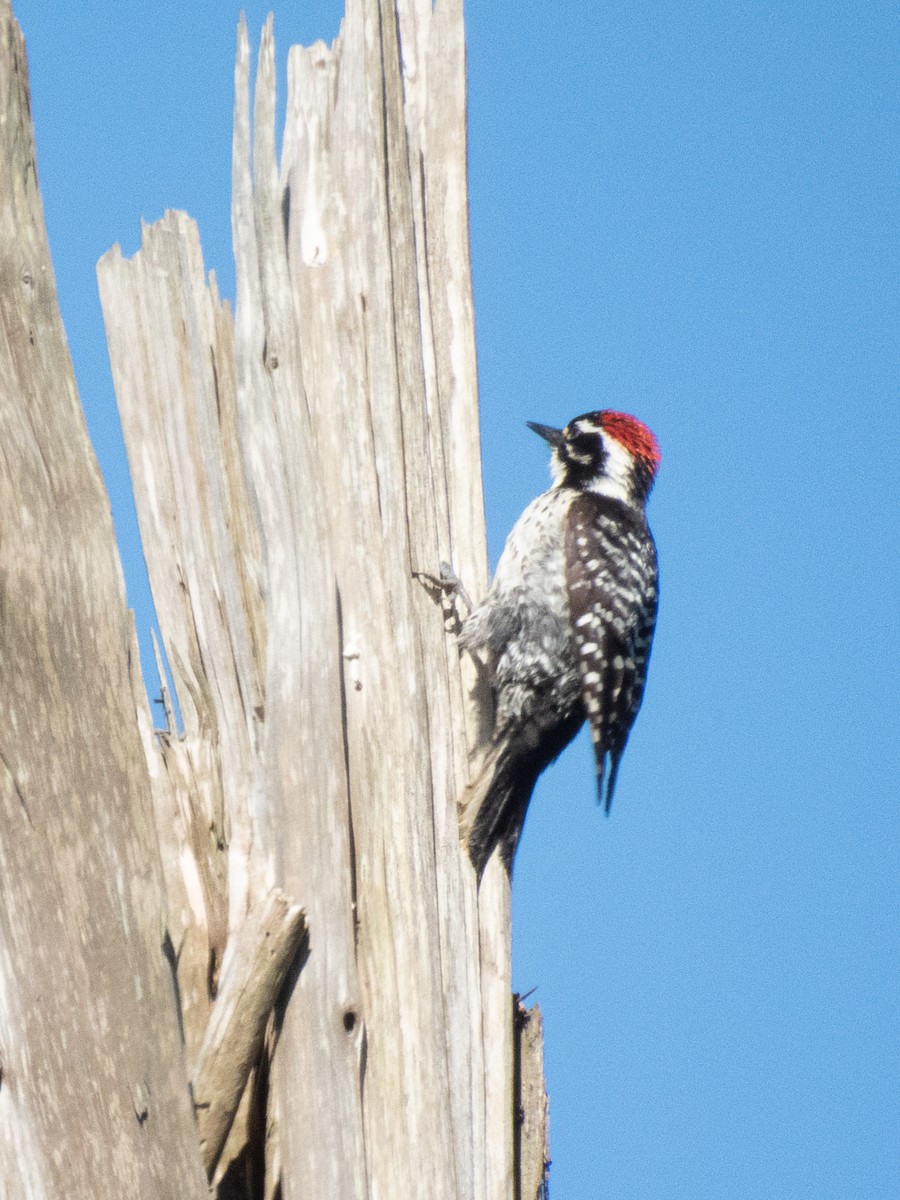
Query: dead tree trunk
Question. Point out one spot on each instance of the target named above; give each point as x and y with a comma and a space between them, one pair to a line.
89, 1105
342, 985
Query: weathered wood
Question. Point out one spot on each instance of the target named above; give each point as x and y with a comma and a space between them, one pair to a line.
319, 1142
377, 245
532, 1116
259, 957
294, 473
93, 1099
171, 348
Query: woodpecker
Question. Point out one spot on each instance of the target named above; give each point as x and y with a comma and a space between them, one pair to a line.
566, 626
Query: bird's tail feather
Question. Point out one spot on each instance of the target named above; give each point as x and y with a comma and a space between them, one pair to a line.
614, 760
495, 803
494, 806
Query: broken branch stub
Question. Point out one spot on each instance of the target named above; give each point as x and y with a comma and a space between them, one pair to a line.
260, 955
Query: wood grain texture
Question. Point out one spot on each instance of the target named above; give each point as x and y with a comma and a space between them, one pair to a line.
377, 243
261, 954
533, 1115
171, 348
295, 470
92, 1098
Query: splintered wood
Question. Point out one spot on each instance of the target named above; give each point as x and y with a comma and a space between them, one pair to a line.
286, 849
92, 1085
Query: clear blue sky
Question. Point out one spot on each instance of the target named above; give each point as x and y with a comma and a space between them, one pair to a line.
688, 211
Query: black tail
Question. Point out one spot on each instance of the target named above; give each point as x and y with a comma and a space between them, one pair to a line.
495, 805
499, 816
615, 757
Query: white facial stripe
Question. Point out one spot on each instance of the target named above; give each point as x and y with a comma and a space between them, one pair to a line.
616, 471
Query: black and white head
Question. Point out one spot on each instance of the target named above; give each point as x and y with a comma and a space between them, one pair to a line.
606, 452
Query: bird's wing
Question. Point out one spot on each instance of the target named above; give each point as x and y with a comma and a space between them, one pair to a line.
611, 584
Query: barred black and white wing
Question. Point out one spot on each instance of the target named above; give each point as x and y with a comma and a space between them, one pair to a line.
612, 585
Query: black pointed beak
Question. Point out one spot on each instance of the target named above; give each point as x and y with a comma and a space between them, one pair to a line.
547, 432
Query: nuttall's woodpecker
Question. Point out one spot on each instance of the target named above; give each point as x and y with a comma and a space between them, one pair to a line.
566, 626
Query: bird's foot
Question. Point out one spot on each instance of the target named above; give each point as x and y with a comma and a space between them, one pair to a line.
447, 583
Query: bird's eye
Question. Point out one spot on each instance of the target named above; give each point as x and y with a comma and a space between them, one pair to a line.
582, 447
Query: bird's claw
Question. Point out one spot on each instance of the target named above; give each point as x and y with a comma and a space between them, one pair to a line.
451, 582
447, 582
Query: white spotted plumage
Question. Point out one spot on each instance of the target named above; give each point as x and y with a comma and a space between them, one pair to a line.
566, 626
612, 575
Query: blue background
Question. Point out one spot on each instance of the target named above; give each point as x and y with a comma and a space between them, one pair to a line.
687, 211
